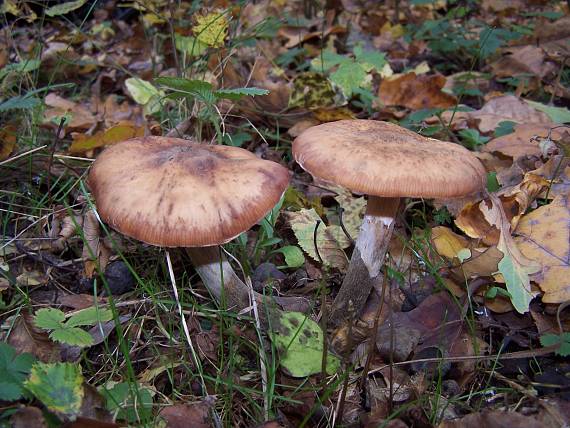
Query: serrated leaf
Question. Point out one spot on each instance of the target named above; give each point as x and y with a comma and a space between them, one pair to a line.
89, 316
58, 386
141, 90
211, 29
63, 8
237, 93
14, 369
20, 67
299, 341
370, 60
293, 255
49, 318
73, 336
23, 102
188, 88
328, 60
330, 240
349, 76
556, 114
557, 339
132, 403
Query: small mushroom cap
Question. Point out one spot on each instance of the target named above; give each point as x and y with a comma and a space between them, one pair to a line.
177, 193
383, 159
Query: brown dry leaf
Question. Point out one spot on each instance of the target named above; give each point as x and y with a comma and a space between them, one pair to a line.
28, 417
95, 253
83, 143
447, 243
297, 35
188, 415
301, 126
8, 139
557, 171
64, 227
26, 337
415, 92
493, 419
495, 111
483, 262
515, 202
525, 140
544, 235
528, 59
80, 301
81, 117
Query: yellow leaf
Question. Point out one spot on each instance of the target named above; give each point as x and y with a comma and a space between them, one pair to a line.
544, 235
82, 143
447, 243
211, 29
8, 140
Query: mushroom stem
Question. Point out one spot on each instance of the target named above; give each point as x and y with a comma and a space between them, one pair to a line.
219, 277
367, 258
221, 280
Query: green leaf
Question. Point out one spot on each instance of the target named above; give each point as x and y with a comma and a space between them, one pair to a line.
293, 255
505, 127
349, 76
492, 182
23, 102
328, 60
556, 114
128, 402
89, 316
73, 336
191, 45
557, 339
299, 341
370, 60
63, 8
49, 318
141, 90
14, 369
20, 67
187, 88
58, 386
237, 93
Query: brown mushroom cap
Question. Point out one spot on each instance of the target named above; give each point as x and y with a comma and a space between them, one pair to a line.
383, 159
177, 193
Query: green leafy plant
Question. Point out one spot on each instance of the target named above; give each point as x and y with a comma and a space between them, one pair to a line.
471, 138
562, 339
204, 93
58, 386
128, 404
14, 369
68, 332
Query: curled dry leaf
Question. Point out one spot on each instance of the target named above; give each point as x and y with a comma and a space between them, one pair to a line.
528, 60
94, 249
472, 221
525, 140
415, 92
495, 111
544, 235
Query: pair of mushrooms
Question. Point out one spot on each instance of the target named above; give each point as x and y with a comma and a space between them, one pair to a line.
176, 193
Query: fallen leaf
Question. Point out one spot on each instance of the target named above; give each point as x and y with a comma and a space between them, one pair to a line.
80, 116
493, 419
8, 139
83, 143
188, 415
556, 114
26, 337
447, 243
330, 240
544, 235
527, 60
495, 111
415, 92
525, 140
514, 266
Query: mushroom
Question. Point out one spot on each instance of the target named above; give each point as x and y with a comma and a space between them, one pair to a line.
172, 192
385, 162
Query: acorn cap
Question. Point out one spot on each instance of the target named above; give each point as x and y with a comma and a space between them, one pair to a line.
383, 159
177, 193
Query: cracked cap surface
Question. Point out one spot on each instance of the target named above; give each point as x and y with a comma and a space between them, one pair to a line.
177, 193
383, 159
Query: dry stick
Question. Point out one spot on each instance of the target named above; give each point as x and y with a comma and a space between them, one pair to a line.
368, 256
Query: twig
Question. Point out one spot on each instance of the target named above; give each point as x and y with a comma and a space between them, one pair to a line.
315, 241
50, 159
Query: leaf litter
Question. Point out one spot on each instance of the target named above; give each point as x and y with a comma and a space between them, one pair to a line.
467, 282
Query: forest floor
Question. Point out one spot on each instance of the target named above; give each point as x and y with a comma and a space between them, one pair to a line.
469, 326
